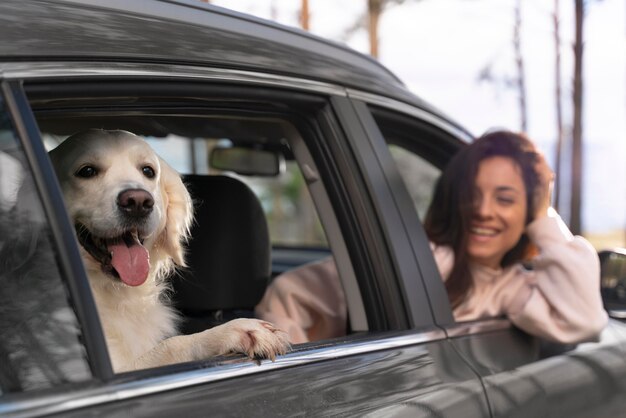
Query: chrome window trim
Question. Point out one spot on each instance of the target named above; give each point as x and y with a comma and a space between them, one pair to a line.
59, 403
78, 69
477, 327
410, 110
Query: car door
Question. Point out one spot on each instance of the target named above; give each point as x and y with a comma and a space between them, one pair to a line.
48, 339
394, 360
523, 376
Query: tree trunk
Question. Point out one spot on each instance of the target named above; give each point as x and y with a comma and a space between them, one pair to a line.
374, 10
577, 168
304, 15
559, 109
519, 61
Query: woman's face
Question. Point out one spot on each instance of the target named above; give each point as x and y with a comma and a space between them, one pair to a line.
499, 214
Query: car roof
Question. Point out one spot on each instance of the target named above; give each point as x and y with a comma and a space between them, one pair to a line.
181, 32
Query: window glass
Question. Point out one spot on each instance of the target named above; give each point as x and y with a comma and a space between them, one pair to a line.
419, 177
39, 334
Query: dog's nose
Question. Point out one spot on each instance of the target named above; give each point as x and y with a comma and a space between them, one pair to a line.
135, 202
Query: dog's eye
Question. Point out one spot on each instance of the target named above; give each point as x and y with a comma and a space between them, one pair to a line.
148, 172
86, 172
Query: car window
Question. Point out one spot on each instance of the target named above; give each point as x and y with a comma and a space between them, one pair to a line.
39, 335
211, 146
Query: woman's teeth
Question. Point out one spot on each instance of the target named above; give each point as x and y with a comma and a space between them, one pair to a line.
488, 232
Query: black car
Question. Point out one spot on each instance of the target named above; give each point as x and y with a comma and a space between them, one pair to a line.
342, 159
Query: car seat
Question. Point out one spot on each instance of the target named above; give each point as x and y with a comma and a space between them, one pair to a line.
228, 254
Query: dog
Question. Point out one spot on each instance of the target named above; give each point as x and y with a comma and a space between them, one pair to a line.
132, 215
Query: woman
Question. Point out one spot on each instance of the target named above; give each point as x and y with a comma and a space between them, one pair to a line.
500, 249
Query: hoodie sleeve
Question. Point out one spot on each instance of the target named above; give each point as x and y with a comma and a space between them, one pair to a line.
564, 304
308, 303
444, 258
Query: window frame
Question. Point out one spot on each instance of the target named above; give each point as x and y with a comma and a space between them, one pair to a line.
325, 131
70, 264
425, 276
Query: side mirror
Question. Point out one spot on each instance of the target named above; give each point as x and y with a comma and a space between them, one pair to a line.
246, 161
613, 282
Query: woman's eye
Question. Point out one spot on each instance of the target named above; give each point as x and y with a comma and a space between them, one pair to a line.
506, 200
87, 172
148, 172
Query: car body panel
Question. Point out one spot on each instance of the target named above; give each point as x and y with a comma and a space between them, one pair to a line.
318, 379
422, 380
526, 377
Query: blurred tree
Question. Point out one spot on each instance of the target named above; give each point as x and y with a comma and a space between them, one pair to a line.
374, 11
370, 21
520, 80
577, 131
559, 108
304, 15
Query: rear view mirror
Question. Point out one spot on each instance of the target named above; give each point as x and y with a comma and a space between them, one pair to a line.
613, 282
246, 161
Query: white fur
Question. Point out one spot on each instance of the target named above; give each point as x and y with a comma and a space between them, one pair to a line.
139, 326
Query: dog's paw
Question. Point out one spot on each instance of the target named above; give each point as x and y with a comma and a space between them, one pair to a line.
253, 337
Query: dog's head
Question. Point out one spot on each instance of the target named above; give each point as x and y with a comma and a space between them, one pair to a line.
131, 210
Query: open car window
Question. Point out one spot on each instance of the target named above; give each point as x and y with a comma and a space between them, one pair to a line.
214, 143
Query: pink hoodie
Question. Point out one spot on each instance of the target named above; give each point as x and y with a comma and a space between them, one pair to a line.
559, 299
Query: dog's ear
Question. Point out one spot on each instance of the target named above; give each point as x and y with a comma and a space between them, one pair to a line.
178, 213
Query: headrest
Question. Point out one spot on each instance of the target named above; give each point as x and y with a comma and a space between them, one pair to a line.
229, 250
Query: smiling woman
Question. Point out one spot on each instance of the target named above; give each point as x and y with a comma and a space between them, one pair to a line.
499, 247
501, 250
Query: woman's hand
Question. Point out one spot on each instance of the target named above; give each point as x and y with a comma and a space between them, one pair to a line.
543, 192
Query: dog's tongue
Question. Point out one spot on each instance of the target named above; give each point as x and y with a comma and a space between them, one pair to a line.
130, 259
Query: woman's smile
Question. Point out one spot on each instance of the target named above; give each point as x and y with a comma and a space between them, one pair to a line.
499, 211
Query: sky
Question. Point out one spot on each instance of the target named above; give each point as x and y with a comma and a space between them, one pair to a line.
438, 48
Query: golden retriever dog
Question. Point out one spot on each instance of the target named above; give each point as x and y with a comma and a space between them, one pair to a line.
132, 215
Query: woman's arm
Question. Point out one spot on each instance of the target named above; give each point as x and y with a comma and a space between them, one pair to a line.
308, 303
564, 303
